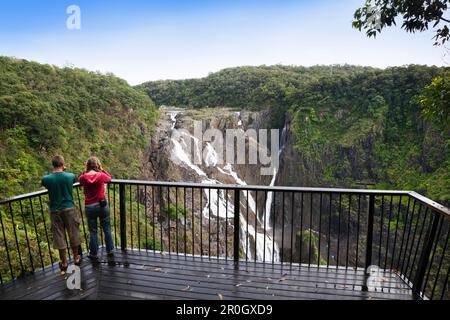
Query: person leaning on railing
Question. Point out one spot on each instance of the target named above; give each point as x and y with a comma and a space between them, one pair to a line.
63, 213
96, 206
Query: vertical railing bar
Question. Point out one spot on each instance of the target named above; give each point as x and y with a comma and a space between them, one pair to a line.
310, 228
185, 219
226, 224
396, 232
439, 268
444, 287
6, 246
320, 228
45, 229
357, 231
329, 230
404, 233
153, 220
388, 233
131, 218
193, 223
15, 236
292, 227
82, 219
115, 215
161, 215
419, 242
168, 219
176, 218
436, 244
369, 238
339, 230
348, 229
108, 187
381, 230
407, 238
209, 223
247, 235
282, 227
425, 254
236, 228
123, 217
265, 223
217, 220
413, 238
138, 200
201, 221
146, 217
301, 230
256, 222
273, 226
37, 234
26, 235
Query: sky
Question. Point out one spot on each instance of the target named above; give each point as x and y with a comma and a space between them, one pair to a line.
141, 40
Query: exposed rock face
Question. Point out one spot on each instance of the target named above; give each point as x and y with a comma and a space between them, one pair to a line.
178, 153
294, 227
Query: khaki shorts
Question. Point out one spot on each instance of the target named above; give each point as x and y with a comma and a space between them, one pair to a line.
65, 219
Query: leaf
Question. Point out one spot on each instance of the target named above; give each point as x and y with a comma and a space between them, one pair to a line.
187, 288
220, 296
239, 284
157, 269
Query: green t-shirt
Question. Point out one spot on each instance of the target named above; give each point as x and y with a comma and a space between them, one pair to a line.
59, 186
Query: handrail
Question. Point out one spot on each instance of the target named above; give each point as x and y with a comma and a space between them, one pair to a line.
428, 202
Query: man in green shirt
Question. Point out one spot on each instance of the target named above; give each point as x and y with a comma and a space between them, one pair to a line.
63, 213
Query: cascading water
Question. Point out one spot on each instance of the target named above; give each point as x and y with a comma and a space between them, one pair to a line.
216, 202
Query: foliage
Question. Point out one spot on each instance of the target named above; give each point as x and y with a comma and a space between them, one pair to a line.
436, 99
48, 110
417, 16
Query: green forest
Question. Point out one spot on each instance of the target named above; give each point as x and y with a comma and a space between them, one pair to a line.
394, 119
47, 110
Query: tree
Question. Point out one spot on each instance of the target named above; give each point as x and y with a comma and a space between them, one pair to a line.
418, 15
435, 99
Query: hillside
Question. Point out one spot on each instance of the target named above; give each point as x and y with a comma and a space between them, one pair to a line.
351, 125
47, 110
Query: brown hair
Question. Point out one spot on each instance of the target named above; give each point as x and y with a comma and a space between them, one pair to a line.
58, 161
93, 163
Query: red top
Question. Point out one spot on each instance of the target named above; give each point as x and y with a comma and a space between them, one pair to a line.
94, 186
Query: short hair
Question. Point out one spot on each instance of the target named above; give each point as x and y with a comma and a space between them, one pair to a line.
58, 161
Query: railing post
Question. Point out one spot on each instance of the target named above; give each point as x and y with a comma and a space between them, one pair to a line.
369, 239
123, 220
424, 257
236, 244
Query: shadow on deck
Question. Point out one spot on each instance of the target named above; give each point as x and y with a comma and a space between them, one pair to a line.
142, 275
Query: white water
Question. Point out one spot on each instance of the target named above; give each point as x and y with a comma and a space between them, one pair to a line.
216, 203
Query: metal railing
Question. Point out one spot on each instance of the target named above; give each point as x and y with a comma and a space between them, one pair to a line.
398, 231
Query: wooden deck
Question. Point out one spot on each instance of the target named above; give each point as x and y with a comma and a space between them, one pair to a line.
142, 275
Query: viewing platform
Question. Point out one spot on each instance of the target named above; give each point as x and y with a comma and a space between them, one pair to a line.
178, 241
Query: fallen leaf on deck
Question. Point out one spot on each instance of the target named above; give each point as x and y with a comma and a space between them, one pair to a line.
239, 284
187, 288
157, 269
220, 296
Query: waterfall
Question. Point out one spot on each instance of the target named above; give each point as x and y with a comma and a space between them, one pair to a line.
217, 202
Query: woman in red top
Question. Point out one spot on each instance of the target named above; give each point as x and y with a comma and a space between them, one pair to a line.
96, 206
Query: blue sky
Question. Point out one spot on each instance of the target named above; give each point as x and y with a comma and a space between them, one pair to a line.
150, 40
